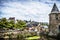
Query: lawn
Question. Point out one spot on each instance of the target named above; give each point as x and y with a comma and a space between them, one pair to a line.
32, 38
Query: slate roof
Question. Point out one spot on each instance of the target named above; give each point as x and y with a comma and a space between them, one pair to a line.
55, 9
30, 24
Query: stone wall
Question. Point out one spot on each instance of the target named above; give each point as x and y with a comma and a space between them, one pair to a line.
54, 22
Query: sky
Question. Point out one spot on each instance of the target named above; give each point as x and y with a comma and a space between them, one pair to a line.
36, 10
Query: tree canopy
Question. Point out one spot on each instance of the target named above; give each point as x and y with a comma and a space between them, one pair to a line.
10, 24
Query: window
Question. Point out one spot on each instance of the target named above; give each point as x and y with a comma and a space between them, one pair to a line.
56, 18
59, 18
59, 28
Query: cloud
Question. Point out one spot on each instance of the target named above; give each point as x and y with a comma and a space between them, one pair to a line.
36, 10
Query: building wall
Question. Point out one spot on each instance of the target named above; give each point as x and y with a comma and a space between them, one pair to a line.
54, 22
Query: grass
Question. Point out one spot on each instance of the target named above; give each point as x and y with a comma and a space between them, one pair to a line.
32, 38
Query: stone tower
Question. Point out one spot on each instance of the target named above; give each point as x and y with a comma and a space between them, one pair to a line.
54, 20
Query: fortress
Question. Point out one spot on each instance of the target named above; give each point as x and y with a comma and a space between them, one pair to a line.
54, 20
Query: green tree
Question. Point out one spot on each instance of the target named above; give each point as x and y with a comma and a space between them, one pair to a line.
3, 23
11, 24
20, 24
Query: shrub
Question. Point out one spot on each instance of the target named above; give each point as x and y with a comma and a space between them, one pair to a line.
20, 37
58, 36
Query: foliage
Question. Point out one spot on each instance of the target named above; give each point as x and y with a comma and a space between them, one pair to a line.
3, 23
28, 35
45, 24
20, 24
10, 24
58, 36
20, 37
33, 38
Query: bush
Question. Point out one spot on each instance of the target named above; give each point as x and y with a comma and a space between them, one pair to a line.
28, 35
20, 37
58, 36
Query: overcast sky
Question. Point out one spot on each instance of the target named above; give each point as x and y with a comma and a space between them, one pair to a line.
36, 10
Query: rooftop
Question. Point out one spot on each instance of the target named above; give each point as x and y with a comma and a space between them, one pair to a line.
55, 9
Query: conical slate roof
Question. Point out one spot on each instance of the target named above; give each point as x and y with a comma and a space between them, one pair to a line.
55, 9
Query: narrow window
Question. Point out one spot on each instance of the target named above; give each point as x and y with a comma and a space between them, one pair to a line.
56, 16
59, 28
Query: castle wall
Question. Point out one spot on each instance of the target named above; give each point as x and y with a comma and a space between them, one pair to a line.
54, 22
